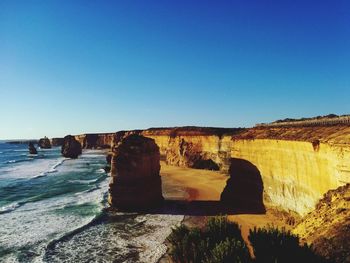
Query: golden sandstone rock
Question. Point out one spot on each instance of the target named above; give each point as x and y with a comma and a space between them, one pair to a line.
297, 164
135, 182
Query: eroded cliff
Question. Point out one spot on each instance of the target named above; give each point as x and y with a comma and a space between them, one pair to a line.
297, 164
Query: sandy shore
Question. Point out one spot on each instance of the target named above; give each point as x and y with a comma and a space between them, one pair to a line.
202, 188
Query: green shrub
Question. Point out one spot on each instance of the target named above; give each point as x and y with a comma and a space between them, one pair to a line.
219, 241
279, 246
230, 250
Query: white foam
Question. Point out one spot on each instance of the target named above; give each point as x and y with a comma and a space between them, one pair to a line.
9, 208
37, 223
100, 171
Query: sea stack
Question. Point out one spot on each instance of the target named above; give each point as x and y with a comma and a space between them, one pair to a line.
31, 148
44, 143
135, 182
244, 189
71, 148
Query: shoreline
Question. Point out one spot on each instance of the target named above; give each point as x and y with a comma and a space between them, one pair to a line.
206, 186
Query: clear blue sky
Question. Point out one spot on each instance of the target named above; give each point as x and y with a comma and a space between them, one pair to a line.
101, 66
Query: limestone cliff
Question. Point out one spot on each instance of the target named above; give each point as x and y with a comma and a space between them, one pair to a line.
327, 228
297, 164
57, 141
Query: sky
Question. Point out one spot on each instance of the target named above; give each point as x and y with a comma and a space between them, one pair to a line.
71, 67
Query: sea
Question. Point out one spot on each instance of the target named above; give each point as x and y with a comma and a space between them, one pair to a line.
55, 209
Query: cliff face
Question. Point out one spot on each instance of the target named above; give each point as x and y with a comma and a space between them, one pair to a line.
93, 141
297, 164
327, 228
57, 141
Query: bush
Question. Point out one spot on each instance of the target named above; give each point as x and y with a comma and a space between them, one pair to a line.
219, 241
279, 246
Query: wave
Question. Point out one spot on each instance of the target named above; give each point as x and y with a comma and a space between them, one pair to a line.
18, 161
51, 170
66, 236
84, 181
9, 208
101, 171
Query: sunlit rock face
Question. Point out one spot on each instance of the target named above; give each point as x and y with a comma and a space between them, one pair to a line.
71, 148
297, 164
96, 141
327, 228
135, 182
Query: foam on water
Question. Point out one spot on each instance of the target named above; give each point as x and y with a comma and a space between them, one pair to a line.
35, 224
57, 215
120, 237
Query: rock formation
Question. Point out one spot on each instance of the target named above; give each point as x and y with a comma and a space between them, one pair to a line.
71, 148
327, 228
31, 148
44, 143
107, 167
297, 164
57, 141
244, 189
135, 182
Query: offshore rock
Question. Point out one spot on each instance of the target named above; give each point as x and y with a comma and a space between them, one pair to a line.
71, 148
44, 143
244, 188
135, 183
31, 148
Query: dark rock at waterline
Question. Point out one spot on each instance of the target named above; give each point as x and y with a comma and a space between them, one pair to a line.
44, 143
107, 168
32, 149
71, 148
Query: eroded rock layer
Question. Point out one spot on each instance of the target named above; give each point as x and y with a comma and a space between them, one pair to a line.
327, 228
297, 164
135, 166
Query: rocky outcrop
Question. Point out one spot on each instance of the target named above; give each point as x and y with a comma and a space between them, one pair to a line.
244, 189
135, 182
297, 164
44, 143
71, 148
327, 228
107, 167
57, 141
32, 149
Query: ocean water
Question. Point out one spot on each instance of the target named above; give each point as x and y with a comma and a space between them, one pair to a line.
53, 209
